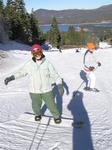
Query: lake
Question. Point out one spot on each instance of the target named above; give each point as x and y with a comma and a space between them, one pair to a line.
64, 27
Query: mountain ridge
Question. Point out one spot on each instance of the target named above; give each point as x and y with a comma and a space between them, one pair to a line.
73, 16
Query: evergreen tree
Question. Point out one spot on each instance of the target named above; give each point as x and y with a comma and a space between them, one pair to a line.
36, 33
19, 21
27, 32
83, 37
1, 8
70, 36
10, 9
20, 7
9, 16
19, 32
93, 38
77, 38
22, 26
54, 34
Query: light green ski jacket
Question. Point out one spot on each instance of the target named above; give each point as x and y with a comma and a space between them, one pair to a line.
41, 76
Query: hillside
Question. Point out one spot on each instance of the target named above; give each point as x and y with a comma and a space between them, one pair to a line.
19, 132
72, 16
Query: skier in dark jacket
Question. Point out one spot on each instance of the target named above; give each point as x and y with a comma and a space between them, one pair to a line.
42, 75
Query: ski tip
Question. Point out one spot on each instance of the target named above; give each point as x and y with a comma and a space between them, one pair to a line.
91, 89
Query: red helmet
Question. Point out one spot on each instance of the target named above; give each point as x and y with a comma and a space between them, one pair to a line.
36, 50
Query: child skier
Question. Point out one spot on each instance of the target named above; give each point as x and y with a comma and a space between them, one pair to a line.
90, 63
41, 74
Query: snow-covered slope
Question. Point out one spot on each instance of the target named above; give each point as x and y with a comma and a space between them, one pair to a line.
94, 109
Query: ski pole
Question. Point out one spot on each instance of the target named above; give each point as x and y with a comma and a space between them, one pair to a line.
43, 134
36, 131
78, 88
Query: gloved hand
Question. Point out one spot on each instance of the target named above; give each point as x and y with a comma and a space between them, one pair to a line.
99, 64
91, 68
60, 89
8, 79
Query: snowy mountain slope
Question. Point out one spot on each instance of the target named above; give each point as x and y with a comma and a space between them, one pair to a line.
29, 135
93, 108
12, 45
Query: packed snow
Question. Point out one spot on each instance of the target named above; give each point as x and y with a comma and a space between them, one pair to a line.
19, 131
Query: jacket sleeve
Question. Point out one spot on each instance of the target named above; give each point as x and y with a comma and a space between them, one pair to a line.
95, 60
23, 71
55, 77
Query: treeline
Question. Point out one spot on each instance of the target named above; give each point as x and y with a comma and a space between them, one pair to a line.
24, 27
70, 38
19, 24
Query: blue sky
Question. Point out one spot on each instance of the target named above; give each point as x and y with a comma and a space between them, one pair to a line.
64, 4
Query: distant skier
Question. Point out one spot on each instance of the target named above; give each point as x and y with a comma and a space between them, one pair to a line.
90, 64
59, 43
41, 76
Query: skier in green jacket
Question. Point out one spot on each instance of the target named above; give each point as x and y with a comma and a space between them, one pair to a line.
42, 75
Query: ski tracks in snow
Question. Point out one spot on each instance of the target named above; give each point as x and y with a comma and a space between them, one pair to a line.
25, 135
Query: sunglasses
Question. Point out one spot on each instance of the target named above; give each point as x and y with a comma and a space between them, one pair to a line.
36, 53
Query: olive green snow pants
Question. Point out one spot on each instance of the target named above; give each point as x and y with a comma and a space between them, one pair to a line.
49, 101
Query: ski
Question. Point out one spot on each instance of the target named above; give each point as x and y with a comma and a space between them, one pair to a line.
91, 90
66, 122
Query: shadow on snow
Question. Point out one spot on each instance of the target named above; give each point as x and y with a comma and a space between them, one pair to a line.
82, 139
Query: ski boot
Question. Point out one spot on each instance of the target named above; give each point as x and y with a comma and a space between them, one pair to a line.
57, 120
38, 118
87, 89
